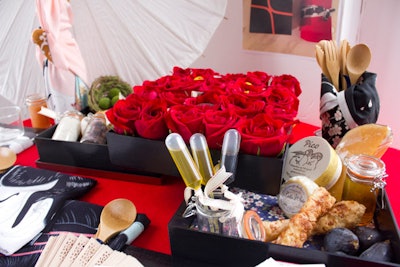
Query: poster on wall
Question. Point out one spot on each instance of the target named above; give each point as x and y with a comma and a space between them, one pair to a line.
288, 26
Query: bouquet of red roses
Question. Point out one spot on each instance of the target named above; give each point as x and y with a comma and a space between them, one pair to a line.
261, 107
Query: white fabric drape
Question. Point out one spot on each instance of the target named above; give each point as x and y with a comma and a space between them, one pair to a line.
20, 73
137, 40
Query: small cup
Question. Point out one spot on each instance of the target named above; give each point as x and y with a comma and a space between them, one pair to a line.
208, 220
11, 126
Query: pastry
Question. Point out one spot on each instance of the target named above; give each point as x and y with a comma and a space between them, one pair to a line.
302, 224
346, 213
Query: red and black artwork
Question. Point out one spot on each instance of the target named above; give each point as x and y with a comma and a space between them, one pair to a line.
271, 16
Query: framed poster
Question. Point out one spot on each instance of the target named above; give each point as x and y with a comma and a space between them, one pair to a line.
288, 26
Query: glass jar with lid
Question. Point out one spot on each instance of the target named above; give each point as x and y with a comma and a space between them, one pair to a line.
35, 102
365, 178
96, 129
69, 126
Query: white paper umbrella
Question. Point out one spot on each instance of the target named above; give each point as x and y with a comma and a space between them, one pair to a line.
144, 39
134, 39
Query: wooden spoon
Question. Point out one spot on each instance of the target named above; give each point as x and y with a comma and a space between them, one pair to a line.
7, 158
358, 60
115, 217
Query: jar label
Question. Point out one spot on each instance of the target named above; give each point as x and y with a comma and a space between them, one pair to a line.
292, 198
314, 158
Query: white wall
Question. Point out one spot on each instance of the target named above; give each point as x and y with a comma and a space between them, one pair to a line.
377, 27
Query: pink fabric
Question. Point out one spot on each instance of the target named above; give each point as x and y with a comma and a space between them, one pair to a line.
56, 18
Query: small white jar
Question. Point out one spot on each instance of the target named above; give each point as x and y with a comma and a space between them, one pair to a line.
69, 127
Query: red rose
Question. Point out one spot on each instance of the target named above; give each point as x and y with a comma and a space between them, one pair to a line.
242, 105
279, 113
186, 120
124, 113
217, 122
182, 80
151, 124
207, 98
289, 82
173, 98
258, 78
282, 99
262, 135
149, 89
194, 74
251, 84
169, 85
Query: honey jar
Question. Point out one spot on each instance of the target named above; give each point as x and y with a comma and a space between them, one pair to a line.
35, 102
365, 177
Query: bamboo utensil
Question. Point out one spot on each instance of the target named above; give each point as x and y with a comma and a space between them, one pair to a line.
332, 62
344, 50
320, 56
358, 60
116, 216
342, 65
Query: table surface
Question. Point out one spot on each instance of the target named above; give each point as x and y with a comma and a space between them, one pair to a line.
159, 202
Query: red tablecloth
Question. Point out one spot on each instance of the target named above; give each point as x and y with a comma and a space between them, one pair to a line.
159, 202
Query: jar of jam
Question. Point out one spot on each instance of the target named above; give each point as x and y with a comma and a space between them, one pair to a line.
96, 129
35, 102
365, 178
69, 127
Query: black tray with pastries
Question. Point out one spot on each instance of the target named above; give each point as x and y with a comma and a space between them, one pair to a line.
211, 249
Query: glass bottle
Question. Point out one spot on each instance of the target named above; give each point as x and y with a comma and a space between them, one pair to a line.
96, 130
365, 178
35, 102
69, 127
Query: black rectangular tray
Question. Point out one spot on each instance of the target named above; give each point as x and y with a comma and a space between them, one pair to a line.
86, 159
217, 250
123, 156
260, 174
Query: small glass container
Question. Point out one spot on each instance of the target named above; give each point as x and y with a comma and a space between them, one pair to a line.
216, 221
95, 131
11, 125
35, 102
365, 178
69, 127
